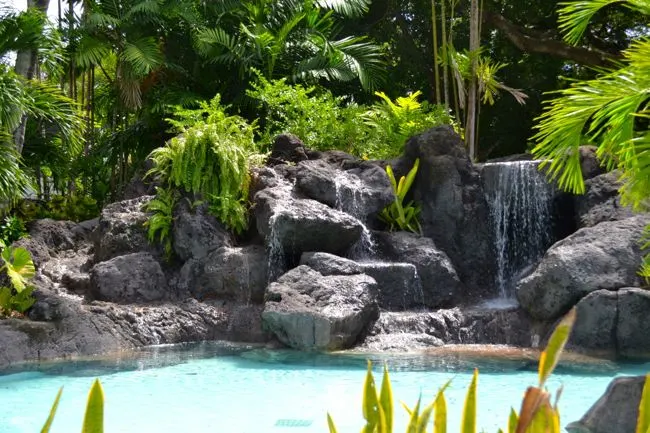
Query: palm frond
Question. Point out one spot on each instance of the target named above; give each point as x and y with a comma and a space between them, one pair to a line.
146, 9
91, 51
143, 55
14, 183
574, 17
13, 99
348, 8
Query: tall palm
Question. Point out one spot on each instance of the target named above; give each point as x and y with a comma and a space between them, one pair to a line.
294, 38
612, 110
19, 97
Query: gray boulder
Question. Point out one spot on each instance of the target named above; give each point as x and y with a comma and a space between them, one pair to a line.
135, 277
616, 411
589, 162
287, 148
398, 284
232, 273
121, 230
361, 190
310, 311
48, 237
596, 320
454, 209
633, 329
605, 256
197, 233
301, 225
601, 201
440, 284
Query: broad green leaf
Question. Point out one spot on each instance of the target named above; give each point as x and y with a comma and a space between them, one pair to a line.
643, 421
468, 422
512, 421
549, 358
5, 299
50, 418
94, 417
19, 266
330, 424
386, 400
440, 407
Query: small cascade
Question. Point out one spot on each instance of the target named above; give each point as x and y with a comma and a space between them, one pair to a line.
349, 200
277, 257
519, 198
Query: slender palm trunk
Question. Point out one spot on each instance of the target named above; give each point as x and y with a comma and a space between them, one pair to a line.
26, 62
474, 44
434, 31
445, 63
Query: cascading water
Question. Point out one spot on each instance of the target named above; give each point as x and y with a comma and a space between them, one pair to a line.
519, 198
349, 200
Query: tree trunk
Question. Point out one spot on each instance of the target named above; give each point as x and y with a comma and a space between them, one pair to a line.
434, 31
445, 66
26, 62
474, 45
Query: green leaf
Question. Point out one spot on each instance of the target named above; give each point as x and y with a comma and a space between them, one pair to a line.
5, 299
440, 406
50, 418
549, 357
414, 419
386, 400
513, 419
94, 417
371, 409
643, 421
410, 178
330, 424
19, 266
468, 422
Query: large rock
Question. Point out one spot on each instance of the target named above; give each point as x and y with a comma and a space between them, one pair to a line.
440, 284
633, 328
74, 328
196, 233
616, 411
407, 331
301, 225
232, 273
360, 190
601, 201
121, 230
589, 163
398, 284
605, 256
310, 311
287, 148
454, 210
596, 320
135, 277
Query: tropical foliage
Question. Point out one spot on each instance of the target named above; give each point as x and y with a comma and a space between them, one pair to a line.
19, 268
398, 215
611, 110
210, 160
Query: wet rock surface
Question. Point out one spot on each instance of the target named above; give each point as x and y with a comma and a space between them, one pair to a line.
616, 411
307, 310
601, 201
605, 256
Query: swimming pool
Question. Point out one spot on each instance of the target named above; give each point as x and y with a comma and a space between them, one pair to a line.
226, 388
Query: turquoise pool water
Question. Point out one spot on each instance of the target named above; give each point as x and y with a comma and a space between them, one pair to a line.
234, 389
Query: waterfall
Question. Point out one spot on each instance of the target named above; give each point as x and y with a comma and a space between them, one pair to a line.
519, 198
349, 200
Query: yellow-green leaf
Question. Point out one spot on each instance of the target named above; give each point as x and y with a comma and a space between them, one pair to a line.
391, 177
512, 421
330, 424
413, 421
19, 266
94, 417
424, 418
386, 400
643, 421
50, 418
370, 402
440, 407
549, 358
533, 400
410, 178
468, 422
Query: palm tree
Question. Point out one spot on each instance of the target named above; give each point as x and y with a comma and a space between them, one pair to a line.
612, 110
21, 97
292, 38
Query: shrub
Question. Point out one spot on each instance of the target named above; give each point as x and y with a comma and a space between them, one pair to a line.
11, 229
396, 214
210, 159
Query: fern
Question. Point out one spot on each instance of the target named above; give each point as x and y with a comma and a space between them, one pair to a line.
160, 223
209, 159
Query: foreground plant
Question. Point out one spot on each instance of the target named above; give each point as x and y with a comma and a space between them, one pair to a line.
397, 215
18, 265
94, 416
